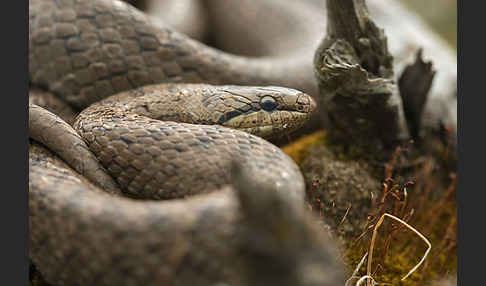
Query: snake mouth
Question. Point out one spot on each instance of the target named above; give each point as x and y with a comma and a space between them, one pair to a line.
268, 124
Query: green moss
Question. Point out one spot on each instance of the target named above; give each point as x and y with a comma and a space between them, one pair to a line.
406, 250
299, 149
432, 198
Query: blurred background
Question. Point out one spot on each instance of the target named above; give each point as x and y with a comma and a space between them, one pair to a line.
441, 15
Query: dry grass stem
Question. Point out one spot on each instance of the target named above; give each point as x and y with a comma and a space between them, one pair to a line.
375, 231
355, 272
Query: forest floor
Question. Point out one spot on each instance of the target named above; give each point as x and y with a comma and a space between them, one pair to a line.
417, 185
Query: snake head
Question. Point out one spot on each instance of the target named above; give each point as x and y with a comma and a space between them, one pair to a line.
263, 111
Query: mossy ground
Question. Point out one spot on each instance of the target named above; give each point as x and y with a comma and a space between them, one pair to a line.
416, 184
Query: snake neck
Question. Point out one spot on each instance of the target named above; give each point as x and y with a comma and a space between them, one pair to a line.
267, 112
132, 147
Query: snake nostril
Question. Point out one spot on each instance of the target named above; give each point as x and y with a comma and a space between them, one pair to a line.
305, 103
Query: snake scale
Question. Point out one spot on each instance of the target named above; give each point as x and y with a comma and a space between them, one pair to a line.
162, 138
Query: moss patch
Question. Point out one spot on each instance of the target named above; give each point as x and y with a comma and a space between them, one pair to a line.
339, 191
298, 150
415, 183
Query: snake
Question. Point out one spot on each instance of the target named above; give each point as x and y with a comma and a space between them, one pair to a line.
147, 163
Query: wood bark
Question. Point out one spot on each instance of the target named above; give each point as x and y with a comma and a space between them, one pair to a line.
358, 77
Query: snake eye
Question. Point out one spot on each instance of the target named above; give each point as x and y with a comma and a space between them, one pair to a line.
268, 103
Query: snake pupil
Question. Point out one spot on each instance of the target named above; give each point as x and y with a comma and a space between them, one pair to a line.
268, 103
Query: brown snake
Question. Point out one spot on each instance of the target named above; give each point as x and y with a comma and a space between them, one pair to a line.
83, 51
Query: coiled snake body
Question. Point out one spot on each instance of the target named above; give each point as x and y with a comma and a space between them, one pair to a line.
83, 51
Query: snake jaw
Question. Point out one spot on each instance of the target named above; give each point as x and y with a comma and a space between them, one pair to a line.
268, 124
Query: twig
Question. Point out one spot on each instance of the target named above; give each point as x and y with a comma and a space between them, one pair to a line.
345, 215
